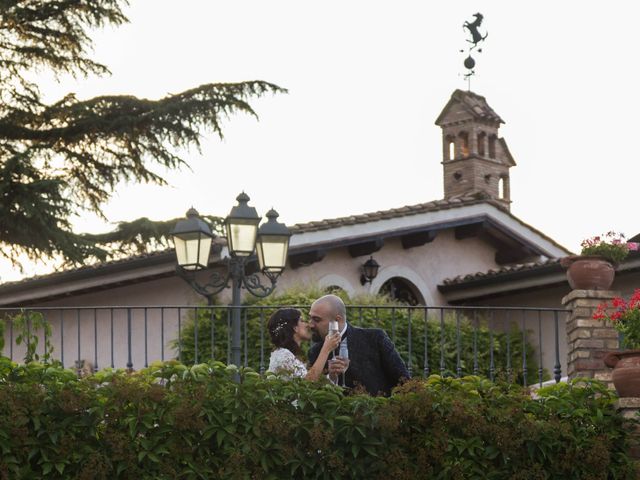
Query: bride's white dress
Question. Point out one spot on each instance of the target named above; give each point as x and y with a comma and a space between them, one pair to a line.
284, 362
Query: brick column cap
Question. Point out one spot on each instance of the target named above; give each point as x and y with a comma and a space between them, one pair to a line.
603, 295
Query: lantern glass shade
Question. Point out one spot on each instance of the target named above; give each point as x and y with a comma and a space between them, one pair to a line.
370, 269
241, 237
273, 244
272, 252
192, 250
192, 239
242, 227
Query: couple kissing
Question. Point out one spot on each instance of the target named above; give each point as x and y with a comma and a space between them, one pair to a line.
350, 356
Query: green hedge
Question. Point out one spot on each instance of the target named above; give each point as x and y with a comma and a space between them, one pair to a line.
171, 421
393, 318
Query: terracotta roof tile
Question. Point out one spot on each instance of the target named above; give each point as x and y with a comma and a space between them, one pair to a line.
314, 226
99, 265
93, 266
520, 267
393, 213
473, 103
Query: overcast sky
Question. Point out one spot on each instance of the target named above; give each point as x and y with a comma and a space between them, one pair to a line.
366, 81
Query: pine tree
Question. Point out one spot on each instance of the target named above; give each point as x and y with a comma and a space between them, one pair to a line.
64, 158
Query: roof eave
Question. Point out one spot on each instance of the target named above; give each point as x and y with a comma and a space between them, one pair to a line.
543, 276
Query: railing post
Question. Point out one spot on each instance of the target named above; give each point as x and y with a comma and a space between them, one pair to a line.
129, 355
588, 340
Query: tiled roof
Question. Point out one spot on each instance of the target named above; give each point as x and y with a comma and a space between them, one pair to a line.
496, 272
82, 270
436, 205
473, 103
433, 206
89, 267
531, 267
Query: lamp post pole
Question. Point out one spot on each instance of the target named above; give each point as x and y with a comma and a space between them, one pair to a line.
236, 327
192, 238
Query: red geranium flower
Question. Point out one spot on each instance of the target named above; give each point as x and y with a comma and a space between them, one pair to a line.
624, 317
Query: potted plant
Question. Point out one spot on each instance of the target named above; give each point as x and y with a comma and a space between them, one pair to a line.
594, 268
624, 316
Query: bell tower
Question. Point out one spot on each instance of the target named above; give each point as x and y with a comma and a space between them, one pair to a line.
474, 158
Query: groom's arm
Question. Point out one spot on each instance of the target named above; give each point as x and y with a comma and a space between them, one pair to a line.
392, 364
314, 350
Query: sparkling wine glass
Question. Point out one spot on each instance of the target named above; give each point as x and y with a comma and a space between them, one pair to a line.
343, 354
333, 327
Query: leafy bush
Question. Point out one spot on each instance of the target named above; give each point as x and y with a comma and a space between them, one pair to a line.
394, 318
29, 325
172, 421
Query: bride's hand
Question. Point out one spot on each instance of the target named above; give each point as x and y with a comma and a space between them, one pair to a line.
331, 342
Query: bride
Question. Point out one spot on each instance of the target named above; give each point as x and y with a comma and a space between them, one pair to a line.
288, 330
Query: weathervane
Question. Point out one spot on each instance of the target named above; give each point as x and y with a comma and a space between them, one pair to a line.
476, 39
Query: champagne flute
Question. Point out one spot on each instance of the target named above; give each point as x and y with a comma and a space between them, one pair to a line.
333, 327
344, 355
333, 330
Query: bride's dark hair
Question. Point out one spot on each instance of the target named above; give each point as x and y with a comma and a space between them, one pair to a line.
281, 325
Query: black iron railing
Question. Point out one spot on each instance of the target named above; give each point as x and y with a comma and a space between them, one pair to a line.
523, 345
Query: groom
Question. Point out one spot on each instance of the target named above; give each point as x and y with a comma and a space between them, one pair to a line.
374, 362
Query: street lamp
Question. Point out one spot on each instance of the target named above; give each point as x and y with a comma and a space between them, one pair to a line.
192, 239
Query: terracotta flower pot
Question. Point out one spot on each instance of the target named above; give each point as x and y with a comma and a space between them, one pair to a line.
588, 272
626, 371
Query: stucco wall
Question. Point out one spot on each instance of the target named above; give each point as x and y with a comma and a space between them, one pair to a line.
445, 255
79, 324
424, 266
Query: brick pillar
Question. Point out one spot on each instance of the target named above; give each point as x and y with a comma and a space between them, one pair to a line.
588, 339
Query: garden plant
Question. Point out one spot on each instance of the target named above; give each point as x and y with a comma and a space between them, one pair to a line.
173, 421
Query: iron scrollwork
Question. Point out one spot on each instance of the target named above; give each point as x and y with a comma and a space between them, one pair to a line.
234, 270
254, 285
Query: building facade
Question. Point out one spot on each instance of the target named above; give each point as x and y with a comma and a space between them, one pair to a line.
464, 249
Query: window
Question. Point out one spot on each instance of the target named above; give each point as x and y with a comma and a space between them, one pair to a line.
402, 290
451, 148
464, 144
503, 187
482, 138
492, 146
334, 290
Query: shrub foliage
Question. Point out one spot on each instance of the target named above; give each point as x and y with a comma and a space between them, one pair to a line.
172, 421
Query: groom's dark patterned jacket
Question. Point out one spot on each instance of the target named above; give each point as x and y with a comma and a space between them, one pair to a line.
374, 362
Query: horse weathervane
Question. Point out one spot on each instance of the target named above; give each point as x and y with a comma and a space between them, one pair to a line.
476, 38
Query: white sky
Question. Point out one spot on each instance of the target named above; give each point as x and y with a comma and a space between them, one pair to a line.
366, 81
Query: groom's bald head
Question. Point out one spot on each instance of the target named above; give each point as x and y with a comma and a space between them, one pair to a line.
335, 305
323, 310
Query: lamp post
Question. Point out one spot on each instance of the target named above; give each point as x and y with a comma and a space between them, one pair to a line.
192, 238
